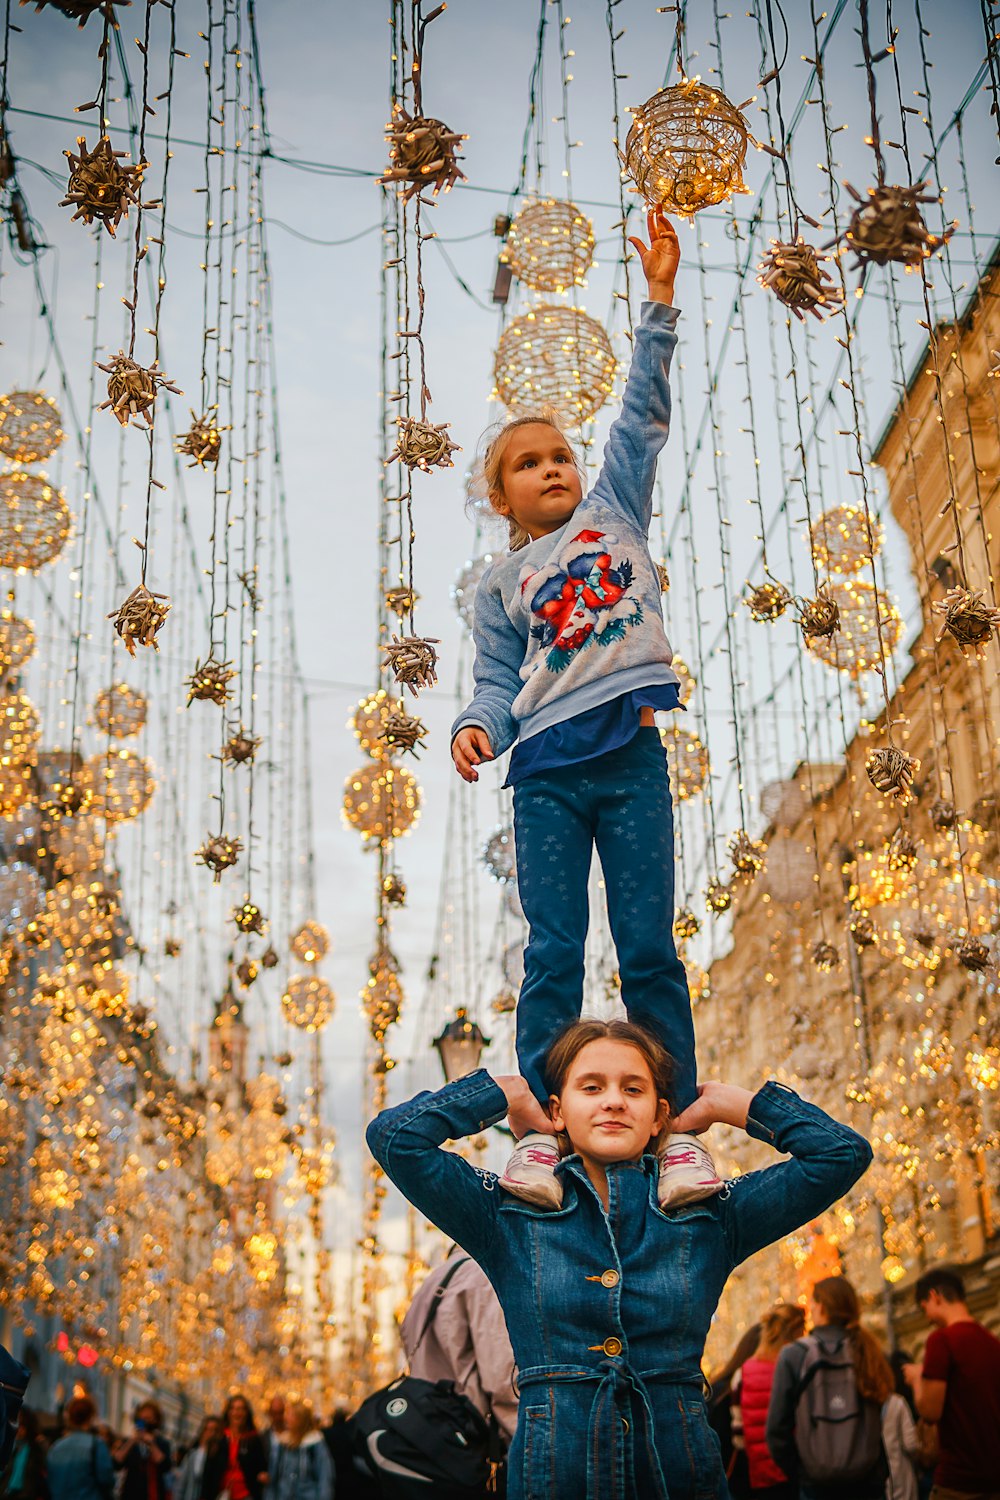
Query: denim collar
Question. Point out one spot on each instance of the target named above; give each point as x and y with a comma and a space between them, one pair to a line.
573, 1163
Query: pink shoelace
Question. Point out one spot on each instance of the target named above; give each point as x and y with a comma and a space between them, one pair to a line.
687, 1156
541, 1156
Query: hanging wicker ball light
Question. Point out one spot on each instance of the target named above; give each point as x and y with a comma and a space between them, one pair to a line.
17, 642
74, 844
891, 770
793, 271
382, 998
422, 154
555, 356
790, 876
124, 783
747, 855
686, 148
688, 762
133, 388
308, 1002
968, 619
404, 734
311, 942
686, 681
767, 602
139, 618
119, 711
30, 427
498, 855
686, 925
871, 627
550, 245
19, 733
887, 226
369, 720
825, 957
21, 897
101, 187
34, 521
845, 540
463, 590
381, 802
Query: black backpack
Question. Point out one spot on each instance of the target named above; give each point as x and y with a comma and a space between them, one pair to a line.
838, 1435
421, 1440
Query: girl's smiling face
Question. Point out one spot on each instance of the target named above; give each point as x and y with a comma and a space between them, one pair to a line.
608, 1105
540, 485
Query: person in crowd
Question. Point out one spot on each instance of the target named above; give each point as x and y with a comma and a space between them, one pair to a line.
725, 1419
752, 1385
608, 1302
301, 1468
466, 1341
25, 1475
958, 1387
190, 1473
79, 1465
824, 1422
352, 1478
275, 1428
237, 1465
900, 1437
144, 1458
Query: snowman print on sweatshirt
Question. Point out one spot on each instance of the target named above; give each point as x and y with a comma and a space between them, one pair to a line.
580, 599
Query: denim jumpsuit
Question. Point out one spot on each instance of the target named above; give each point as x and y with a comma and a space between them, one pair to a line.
608, 1309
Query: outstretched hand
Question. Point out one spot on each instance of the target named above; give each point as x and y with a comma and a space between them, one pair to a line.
661, 257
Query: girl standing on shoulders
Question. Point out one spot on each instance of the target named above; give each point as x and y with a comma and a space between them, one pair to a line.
572, 661
609, 1299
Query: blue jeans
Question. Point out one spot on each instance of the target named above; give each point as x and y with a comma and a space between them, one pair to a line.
621, 803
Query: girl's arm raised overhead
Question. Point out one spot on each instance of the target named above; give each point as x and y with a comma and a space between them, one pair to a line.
629, 468
827, 1158
461, 1200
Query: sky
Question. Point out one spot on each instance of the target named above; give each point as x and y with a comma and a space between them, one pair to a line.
326, 71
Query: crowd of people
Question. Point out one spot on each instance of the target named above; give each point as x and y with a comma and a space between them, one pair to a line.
820, 1415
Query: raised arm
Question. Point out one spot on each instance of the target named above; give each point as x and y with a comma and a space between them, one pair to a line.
629, 468
461, 1200
496, 672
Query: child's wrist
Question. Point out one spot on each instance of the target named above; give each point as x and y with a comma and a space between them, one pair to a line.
661, 291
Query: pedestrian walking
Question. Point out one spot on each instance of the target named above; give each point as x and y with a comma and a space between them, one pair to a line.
79, 1465
301, 1468
752, 1386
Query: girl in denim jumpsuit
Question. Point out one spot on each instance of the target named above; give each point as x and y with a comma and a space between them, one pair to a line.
608, 1307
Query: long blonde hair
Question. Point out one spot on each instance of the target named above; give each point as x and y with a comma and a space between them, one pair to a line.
487, 484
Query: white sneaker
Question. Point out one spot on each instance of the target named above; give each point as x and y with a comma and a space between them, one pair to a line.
530, 1174
687, 1172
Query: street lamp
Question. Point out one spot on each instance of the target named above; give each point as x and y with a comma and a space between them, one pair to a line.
460, 1046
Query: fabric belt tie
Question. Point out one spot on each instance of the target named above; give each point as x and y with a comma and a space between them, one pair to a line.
616, 1380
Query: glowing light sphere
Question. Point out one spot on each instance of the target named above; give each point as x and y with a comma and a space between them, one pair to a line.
498, 855
688, 761
74, 844
381, 802
550, 245
311, 942
34, 521
30, 427
463, 590
865, 613
790, 875
844, 540
125, 785
224, 1160
81, 914
17, 641
315, 1169
21, 897
19, 734
119, 711
687, 681
369, 721
686, 148
382, 999
555, 356
308, 1002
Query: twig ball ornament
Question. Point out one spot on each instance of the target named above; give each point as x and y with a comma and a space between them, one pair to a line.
887, 225
686, 148
34, 521
404, 734
422, 153
555, 356
140, 617
968, 619
202, 442
863, 929
209, 682
240, 748
550, 246
825, 957
686, 925
101, 185
413, 660
394, 889
792, 270
891, 771
119, 711
768, 602
218, 853
124, 784
133, 388
845, 539
944, 814
902, 852
30, 427
747, 855
870, 628
249, 918
718, 897
973, 954
423, 445
687, 760
401, 599
498, 855
17, 642
381, 802
308, 1002
504, 1002
310, 942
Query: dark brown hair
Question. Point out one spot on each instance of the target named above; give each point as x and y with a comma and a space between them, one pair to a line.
946, 1282
150, 1405
838, 1299
782, 1325
238, 1396
79, 1412
570, 1042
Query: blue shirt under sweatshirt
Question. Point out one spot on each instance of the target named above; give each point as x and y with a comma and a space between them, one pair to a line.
573, 620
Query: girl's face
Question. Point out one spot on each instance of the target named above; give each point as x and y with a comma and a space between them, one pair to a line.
211, 1434
608, 1105
238, 1415
540, 486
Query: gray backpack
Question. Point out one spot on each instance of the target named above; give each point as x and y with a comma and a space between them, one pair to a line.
838, 1435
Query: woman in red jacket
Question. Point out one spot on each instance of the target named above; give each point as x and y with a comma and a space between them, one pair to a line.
752, 1391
